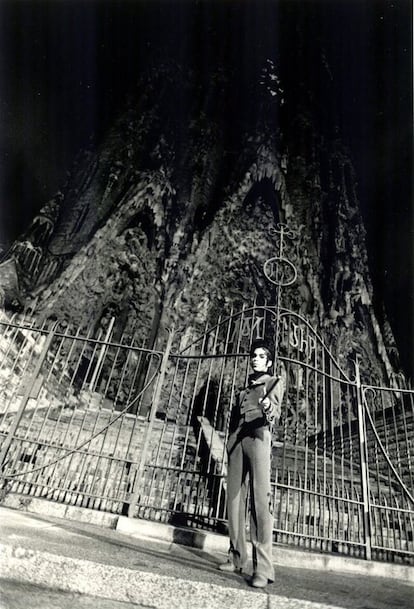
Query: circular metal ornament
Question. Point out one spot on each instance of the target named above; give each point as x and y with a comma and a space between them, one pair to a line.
280, 271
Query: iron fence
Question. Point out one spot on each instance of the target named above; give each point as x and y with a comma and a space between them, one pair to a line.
389, 424
92, 421
73, 412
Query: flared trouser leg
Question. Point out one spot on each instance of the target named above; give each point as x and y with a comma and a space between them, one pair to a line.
258, 453
236, 505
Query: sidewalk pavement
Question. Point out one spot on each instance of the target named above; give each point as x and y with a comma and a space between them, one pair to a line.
159, 566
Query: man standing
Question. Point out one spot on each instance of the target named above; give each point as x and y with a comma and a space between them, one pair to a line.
249, 461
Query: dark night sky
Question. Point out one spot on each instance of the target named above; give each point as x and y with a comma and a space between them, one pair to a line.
66, 66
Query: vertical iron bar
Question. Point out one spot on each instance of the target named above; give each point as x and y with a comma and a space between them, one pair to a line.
26, 352
306, 495
341, 444
73, 458
180, 404
406, 439
207, 387
316, 442
218, 398
19, 414
153, 410
113, 439
231, 400
64, 433
332, 426
324, 445
362, 436
156, 461
375, 528
101, 355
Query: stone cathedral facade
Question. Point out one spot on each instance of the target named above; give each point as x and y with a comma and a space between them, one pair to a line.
171, 217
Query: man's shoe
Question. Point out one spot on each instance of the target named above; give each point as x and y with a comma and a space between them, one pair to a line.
259, 581
228, 567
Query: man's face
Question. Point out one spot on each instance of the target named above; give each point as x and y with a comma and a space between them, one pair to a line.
260, 361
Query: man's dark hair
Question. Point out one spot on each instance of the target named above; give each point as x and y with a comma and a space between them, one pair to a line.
262, 344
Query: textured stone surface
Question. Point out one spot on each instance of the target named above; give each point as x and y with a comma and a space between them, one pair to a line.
20, 595
162, 222
121, 584
90, 560
91, 522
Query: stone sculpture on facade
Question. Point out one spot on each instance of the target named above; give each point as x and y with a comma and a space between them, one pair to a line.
155, 229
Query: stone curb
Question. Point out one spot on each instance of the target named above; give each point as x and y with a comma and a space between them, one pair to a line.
287, 557
44, 507
203, 540
139, 587
207, 541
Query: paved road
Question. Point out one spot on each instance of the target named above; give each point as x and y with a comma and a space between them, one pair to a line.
17, 595
69, 546
343, 590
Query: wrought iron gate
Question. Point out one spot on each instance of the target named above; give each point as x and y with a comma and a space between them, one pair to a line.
106, 424
335, 487
73, 412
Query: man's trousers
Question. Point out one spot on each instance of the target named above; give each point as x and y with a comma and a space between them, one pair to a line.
249, 467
